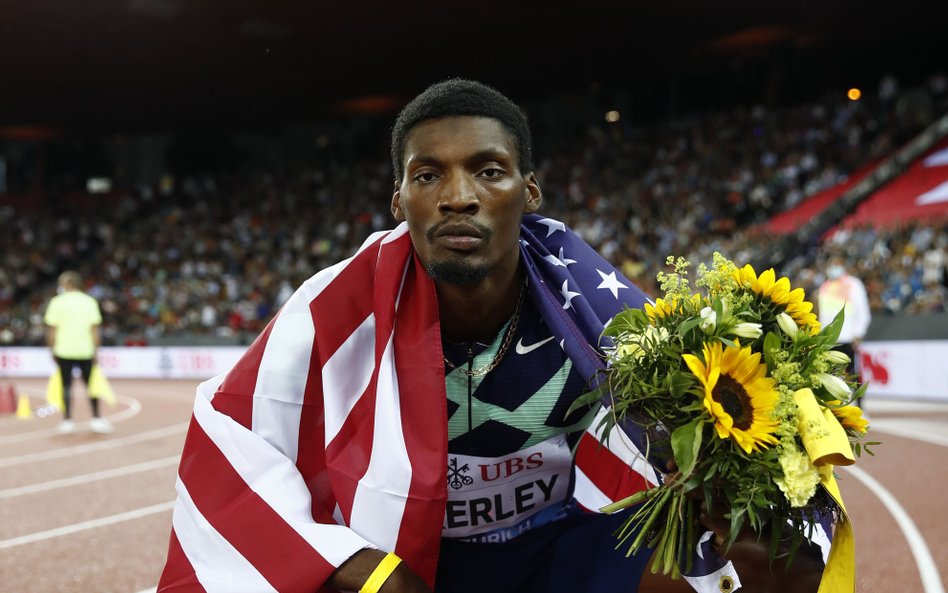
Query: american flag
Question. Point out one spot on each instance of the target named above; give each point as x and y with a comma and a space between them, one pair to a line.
330, 435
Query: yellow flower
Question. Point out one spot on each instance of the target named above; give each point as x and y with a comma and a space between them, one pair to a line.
800, 477
779, 293
667, 307
660, 309
737, 393
850, 417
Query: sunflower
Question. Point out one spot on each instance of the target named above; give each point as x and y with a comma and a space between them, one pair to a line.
851, 417
737, 393
778, 291
666, 308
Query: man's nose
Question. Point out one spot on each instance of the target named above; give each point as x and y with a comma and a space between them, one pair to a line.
458, 194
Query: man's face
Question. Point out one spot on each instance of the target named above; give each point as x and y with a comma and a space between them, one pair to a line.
463, 196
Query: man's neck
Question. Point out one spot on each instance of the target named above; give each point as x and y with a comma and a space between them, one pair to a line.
477, 313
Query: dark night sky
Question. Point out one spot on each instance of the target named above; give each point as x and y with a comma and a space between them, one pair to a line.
128, 65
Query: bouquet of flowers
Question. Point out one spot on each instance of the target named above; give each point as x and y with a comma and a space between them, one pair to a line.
741, 388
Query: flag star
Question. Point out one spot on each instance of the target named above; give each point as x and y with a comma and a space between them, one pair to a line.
552, 225
561, 261
568, 295
566, 261
610, 282
554, 260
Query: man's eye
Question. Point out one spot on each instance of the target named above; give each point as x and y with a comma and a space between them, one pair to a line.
492, 173
425, 177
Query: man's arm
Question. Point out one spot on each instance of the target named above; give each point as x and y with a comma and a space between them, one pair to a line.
97, 336
50, 336
355, 571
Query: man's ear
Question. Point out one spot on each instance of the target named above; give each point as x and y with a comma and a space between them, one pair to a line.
397, 204
534, 195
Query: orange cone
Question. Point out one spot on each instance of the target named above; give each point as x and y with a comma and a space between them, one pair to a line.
7, 400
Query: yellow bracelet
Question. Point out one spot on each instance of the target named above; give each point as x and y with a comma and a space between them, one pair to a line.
381, 573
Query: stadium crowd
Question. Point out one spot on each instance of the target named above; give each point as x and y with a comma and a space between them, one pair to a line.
216, 255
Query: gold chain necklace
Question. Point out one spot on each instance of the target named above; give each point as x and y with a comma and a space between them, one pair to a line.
504, 346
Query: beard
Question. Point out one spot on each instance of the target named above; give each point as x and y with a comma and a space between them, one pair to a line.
457, 273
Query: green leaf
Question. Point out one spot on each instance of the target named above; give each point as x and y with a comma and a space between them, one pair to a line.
737, 522
587, 399
771, 345
687, 326
686, 441
679, 383
831, 331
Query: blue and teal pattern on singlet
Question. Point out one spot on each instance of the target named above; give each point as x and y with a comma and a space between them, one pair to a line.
509, 420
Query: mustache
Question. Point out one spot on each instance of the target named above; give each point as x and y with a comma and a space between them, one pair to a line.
436, 229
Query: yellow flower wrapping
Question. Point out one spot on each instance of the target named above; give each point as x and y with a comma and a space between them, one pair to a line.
826, 444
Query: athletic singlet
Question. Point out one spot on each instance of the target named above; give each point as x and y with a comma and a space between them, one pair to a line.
510, 441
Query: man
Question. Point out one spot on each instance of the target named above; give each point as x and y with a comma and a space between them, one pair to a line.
73, 335
413, 399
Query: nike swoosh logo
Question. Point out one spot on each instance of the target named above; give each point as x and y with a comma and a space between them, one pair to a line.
521, 349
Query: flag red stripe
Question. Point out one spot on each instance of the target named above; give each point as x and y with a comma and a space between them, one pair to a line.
609, 473
178, 575
247, 522
424, 417
311, 460
338, 310
235, 395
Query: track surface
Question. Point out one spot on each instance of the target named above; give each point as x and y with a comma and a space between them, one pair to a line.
85, 513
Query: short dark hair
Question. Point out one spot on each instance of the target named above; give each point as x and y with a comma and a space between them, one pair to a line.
459, 97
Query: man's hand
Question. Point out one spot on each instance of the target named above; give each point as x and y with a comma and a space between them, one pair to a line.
750, 555
356, 570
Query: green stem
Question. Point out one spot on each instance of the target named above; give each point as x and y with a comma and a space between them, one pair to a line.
654, 512
629, 501
672, 527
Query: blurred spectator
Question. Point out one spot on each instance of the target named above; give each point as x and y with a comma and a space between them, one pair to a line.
844, 292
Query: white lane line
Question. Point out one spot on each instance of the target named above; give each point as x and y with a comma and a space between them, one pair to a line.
134, 407
927, 569
97, 446
929, 432
83, 526
90, 477
151, 590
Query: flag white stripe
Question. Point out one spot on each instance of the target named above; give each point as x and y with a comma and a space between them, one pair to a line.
282, 376
346, 375
277, 481
380, 498
394, 234
218, 566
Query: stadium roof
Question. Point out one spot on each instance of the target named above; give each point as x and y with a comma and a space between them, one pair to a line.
155, 64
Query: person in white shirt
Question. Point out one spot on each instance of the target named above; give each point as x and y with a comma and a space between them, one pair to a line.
843, 291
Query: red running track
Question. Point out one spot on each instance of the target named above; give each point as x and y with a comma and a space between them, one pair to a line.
85, 513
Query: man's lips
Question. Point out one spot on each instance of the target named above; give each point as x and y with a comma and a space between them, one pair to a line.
459, 237
459, 230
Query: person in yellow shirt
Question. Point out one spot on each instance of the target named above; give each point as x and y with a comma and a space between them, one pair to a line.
73, 321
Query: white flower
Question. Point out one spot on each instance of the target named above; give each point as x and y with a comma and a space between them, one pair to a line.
835, 357
787, 324
638, 345
747, 330
708, 320
836, 386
